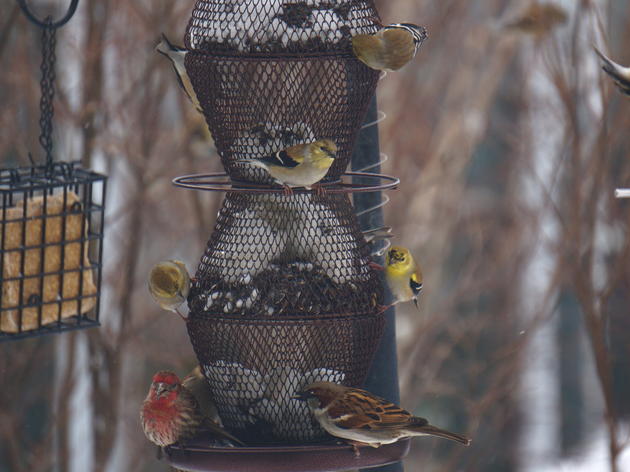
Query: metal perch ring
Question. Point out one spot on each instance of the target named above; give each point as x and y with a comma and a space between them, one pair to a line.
212, 183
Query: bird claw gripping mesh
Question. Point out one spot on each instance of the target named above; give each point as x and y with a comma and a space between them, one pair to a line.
284, 295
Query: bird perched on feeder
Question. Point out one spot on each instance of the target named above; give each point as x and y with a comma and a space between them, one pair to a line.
390, 48
170, 413
197, 384
620, 74
403, 275
363, 419
169, 284
302, 165
177, 56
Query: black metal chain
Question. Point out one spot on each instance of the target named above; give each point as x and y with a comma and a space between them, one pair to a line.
47, 83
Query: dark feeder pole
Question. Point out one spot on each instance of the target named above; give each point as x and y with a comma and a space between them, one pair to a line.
382, 379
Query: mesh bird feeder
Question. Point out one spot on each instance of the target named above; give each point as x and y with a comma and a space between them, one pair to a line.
270, 74
51, 230
284, 294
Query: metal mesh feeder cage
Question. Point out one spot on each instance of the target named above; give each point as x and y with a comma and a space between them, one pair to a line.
284, 296
279, 26
50, 249
275, 93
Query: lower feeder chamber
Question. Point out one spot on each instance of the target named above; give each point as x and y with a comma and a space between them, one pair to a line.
254, 367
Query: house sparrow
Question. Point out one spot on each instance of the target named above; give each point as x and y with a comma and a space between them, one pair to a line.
403, 275
169, 284
620, 74
302, 165
364, 419
390, 48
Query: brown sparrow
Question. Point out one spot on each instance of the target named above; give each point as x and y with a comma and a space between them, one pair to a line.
364, 419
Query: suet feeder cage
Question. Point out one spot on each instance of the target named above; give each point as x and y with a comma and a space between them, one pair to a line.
50, 244
284, 294
51, 229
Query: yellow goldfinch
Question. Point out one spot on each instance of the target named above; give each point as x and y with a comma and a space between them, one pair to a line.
403, 275
169, 284
390, 48
302, 165
620, 74
177, 57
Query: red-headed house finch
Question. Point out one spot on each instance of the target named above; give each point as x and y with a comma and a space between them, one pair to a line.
170, 413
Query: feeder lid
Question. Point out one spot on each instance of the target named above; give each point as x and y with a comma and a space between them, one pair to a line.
278, 26
323, 457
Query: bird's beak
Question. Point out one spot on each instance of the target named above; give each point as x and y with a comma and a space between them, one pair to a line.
331, 154
300, 396
160, 389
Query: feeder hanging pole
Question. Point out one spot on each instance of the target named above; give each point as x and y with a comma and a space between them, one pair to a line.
383, 376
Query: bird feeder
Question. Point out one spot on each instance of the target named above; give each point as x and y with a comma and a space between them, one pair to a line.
284, 294
51, 231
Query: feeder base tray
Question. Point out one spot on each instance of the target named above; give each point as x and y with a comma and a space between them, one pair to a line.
198, 456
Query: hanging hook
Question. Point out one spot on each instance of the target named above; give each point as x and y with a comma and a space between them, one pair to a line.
45, 24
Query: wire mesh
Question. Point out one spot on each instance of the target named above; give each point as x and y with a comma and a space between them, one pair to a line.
278, 255
279, 26
50, 249
283, 296
255, 366
258, 106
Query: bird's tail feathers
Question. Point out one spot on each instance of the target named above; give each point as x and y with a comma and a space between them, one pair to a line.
212, 427
253, 162
427, 429
614, 70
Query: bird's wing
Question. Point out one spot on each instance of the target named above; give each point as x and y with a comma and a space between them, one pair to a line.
357, 410
282, 159
415, 283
